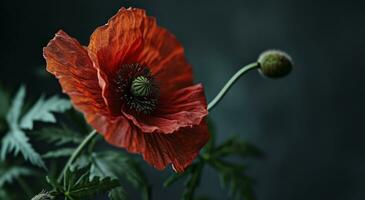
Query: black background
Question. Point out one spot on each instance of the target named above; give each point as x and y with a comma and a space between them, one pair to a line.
310, 124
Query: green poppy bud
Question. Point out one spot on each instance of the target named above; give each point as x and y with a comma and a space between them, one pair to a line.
275, 63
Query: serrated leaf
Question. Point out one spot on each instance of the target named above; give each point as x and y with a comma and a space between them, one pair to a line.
42, 111
233, 179
16, 141
14, 112
121, 166
236, 146
59, 136
82, 161
117, 194
43, 195
56, 186
8, 174
59, 153
81, 187
193, 181
4, 194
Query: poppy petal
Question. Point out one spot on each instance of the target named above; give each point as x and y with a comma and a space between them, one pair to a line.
159, 150
183, 108
164, 55
132, 37
175, 130
119, 38
68, 60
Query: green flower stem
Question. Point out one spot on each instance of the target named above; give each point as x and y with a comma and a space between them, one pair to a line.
77, 152
92, 145
229, 84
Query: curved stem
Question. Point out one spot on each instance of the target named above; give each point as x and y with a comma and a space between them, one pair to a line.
229, 84
77, 152
92, 145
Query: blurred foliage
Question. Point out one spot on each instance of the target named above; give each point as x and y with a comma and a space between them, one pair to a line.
117, 194
58, 136
62, 142
96, 171
14, 118
42, 111
43, 195
8, 174
231, 174
64, 152
15, 139
77, 184
119, 165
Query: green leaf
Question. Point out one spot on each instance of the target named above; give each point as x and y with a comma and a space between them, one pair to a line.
193, 181
56, 186
77, 184
59, 153
15, 110
117, 194
236, 146
232, 177
59, 136
120, 165
43, 195
16, 141
8, 174
42, 111
4, 194
82, 161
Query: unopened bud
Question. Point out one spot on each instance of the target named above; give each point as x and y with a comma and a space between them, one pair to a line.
275, 63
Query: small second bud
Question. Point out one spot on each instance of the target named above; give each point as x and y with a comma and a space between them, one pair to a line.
275, 63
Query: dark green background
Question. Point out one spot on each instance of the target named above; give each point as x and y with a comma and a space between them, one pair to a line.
310, 124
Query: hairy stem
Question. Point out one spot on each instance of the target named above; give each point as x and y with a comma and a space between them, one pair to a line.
77, 152
230, 83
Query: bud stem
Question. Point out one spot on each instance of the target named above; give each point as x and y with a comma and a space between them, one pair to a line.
77, 152
229, 84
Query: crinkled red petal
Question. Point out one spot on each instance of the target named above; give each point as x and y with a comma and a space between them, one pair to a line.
159, 150
184, 108
69, 61
132, 37
86, 75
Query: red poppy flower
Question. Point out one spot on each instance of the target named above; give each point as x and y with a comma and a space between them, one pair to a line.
134, 86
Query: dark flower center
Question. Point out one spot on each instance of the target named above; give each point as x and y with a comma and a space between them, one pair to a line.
137, 88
